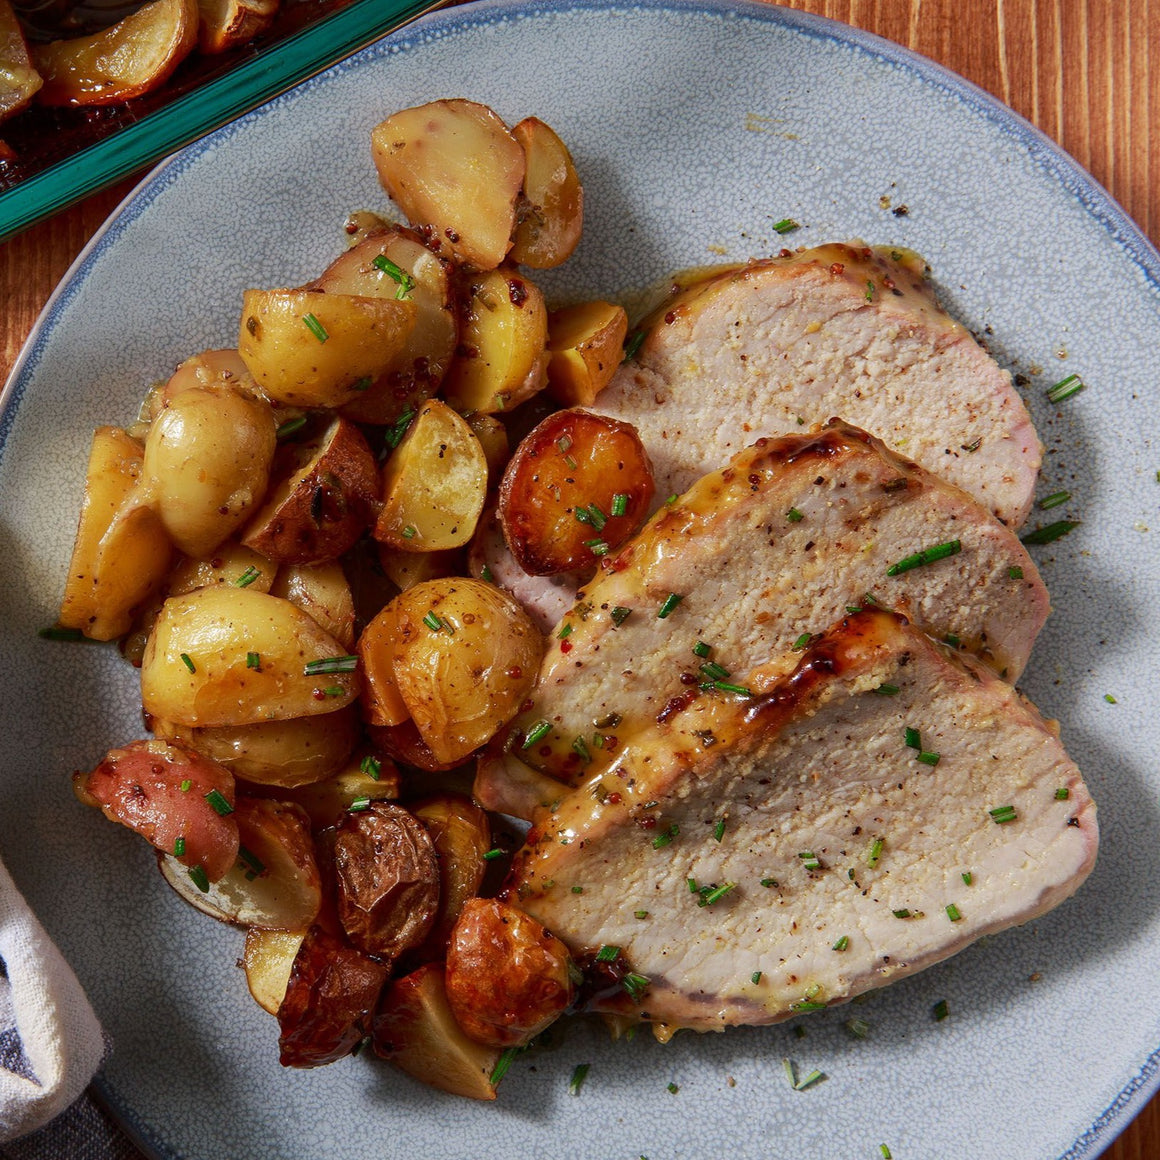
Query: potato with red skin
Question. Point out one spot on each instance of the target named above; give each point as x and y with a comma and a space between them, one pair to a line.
507, 976
387, 879
559, 496
329, 1000
165, 792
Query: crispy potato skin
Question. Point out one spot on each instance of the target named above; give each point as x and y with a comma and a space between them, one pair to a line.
387, 877
507, 976
550, 217
329, 1000
571, 461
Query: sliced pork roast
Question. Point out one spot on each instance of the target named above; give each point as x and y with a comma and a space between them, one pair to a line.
784, 342
773, 548
876, 811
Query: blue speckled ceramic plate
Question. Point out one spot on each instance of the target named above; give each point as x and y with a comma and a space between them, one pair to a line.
696, 126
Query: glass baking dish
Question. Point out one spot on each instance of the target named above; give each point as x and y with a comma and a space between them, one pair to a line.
71, 153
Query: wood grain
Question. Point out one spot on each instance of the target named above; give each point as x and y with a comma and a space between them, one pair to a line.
1081, 70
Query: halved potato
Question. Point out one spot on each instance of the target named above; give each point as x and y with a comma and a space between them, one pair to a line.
132, 57
231, 563
394, 263
19, 81
226, 24
434, 484
275, 881
121, 553
415, 1029
322, 591
502, 358
267, 958
455, 170
493, 438
551, 216
577, 487
323, 497
380, 699
307, 348
585, 346
363, 778
229, 656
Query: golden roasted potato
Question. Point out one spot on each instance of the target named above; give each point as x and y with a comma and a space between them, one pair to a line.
363, 779
229, 656
465, 656
507, 977
493, 438
230, 563
274, 882
387, 879
502, 358
121, 553
455, 171
322, 591
577, 487
226, 24
380, 699
132, 57
461, 835
19, 81
415, 1029
585, 346
207, 462
406, 569
330, 998
307, 348
278, 753
394, 263
550, 217
323, 496
267, 958
434, 484
403, 743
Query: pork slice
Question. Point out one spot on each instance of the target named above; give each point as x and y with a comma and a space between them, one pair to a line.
774, 547
757, 859
837, 330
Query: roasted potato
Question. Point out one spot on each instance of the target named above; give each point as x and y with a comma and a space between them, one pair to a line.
415, 1030
307, 348
577, 487
229, 656
176, 799
363, 779
380, 699
434, 484
267, 958
493, 438
387, 878
207, 462
133, 57
322, 591
585, 346
406, 569
507, 977
502, 358
550, 216
274, 882
465, 656
226, 24
231, 563
330, 997
403, 743
323, 496
455, 171
394, 263
278, 753
19, 81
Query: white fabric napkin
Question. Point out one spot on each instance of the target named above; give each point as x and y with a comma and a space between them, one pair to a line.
47, 1027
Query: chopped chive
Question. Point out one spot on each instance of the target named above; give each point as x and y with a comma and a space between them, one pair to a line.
432, 621
577, 1080
691, 883
564, 632
333, 691
967, 877
1062, 794
1015, 572
668, 604
1054, 500
858, 1028
716, 894
785, 226
577, 889
887, 690
806, 1005
290, 427
940, 1011
901, 912
315, 327
492, 854
1049, 533
619, 504
912, 738
725, 687
925, 556
619, 614
247, 577
363, 802
635, 985
1002, 814
714, 671
55, 632
842, 943
794, 516
199, 878
186, 785
538, 730
801, 642
928, 758
564, 443
790, 1073
672, 499
719, 829
885, 1152
405, 281
633, 343
410, 532
809, 1080
218, 803
579, 748
254, 661
485, 574
953, 912
664, 838
810, 860
607, 953
597, 547
701, 649
187, 660
343, 664
852, 608
768, 881
393, 435
179, 848
973, 446
672, 1088
1110, 699
952, 639
363, 384
503, 1063
1065, 388
875, 852
869, 290
253, 863
591, 515
371, 766
640, 914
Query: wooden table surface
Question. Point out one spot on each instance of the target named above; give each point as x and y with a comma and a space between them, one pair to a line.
1086, 72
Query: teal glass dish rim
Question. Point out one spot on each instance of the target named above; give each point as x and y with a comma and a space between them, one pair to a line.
194, 114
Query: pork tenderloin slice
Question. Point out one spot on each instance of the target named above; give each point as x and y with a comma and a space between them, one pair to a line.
836, 330
778, 544
843, 852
